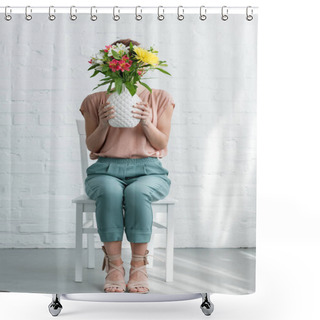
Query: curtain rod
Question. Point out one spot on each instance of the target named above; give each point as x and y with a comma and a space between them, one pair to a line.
124, 9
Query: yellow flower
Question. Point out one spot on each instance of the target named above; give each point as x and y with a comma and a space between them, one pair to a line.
146, 56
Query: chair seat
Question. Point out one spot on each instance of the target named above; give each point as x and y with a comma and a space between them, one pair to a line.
85, 199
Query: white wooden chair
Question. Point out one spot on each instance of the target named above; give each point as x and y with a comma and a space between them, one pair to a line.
86, 205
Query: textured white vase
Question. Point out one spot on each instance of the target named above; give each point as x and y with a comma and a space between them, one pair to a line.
123, 105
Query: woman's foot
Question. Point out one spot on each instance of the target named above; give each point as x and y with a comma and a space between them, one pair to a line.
114, 281
138, 279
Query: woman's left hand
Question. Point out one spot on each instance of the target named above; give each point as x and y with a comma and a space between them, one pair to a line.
142, 111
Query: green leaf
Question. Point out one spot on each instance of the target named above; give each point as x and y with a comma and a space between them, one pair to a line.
106, 82
163, 71
118, 83
115, 54
144, 78
95, 73
93, 66
131, 88
105, 68
109, 88
135, 78
99, 85
144, 84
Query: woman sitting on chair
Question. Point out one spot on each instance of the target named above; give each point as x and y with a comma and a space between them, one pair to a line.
127, 175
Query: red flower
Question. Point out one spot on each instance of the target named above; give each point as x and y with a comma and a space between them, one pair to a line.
107, 48
125, 57
114, 65
124, 66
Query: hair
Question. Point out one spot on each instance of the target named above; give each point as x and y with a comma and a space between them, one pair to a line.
126, 42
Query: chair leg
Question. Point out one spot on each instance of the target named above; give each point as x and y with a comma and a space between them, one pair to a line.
170, 243
90, 244
151, 250
79, 244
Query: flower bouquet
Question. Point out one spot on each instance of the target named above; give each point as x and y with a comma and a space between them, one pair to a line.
124, 66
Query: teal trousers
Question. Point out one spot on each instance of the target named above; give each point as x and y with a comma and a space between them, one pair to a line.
123, 189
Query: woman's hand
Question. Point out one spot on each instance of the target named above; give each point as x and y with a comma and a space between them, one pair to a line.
143, 112
105, 113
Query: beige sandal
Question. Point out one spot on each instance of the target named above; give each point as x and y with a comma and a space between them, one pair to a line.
108, 283
139, 284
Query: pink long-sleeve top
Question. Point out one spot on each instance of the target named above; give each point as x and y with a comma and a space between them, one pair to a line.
128, 142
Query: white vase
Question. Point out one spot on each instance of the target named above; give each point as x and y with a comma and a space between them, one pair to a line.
123, 104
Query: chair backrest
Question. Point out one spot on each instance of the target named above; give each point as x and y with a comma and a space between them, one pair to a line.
84, 152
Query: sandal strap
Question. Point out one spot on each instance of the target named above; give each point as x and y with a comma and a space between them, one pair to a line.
112, 284
141, 269
109, 283
132, 284
138, 257
117, 283
106, 265
110, 258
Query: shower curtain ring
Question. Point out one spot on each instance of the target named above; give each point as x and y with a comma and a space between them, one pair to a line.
93, 17
73, 16
180, 16
203, 16
116, 17
224, 17
28, 16
8, 17
51, 16
138, 16
160, 16
249, 16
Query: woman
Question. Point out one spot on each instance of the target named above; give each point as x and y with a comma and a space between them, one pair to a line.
128, 174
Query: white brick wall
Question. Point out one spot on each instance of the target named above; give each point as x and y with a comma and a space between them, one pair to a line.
212, 147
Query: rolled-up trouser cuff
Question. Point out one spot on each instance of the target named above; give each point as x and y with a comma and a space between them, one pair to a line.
107, 236
138, 236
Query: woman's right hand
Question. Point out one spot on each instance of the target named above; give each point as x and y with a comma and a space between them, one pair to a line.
105, 113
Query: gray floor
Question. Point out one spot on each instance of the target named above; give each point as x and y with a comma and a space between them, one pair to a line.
229, 271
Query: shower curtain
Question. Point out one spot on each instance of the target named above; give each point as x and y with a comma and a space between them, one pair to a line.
211, 156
